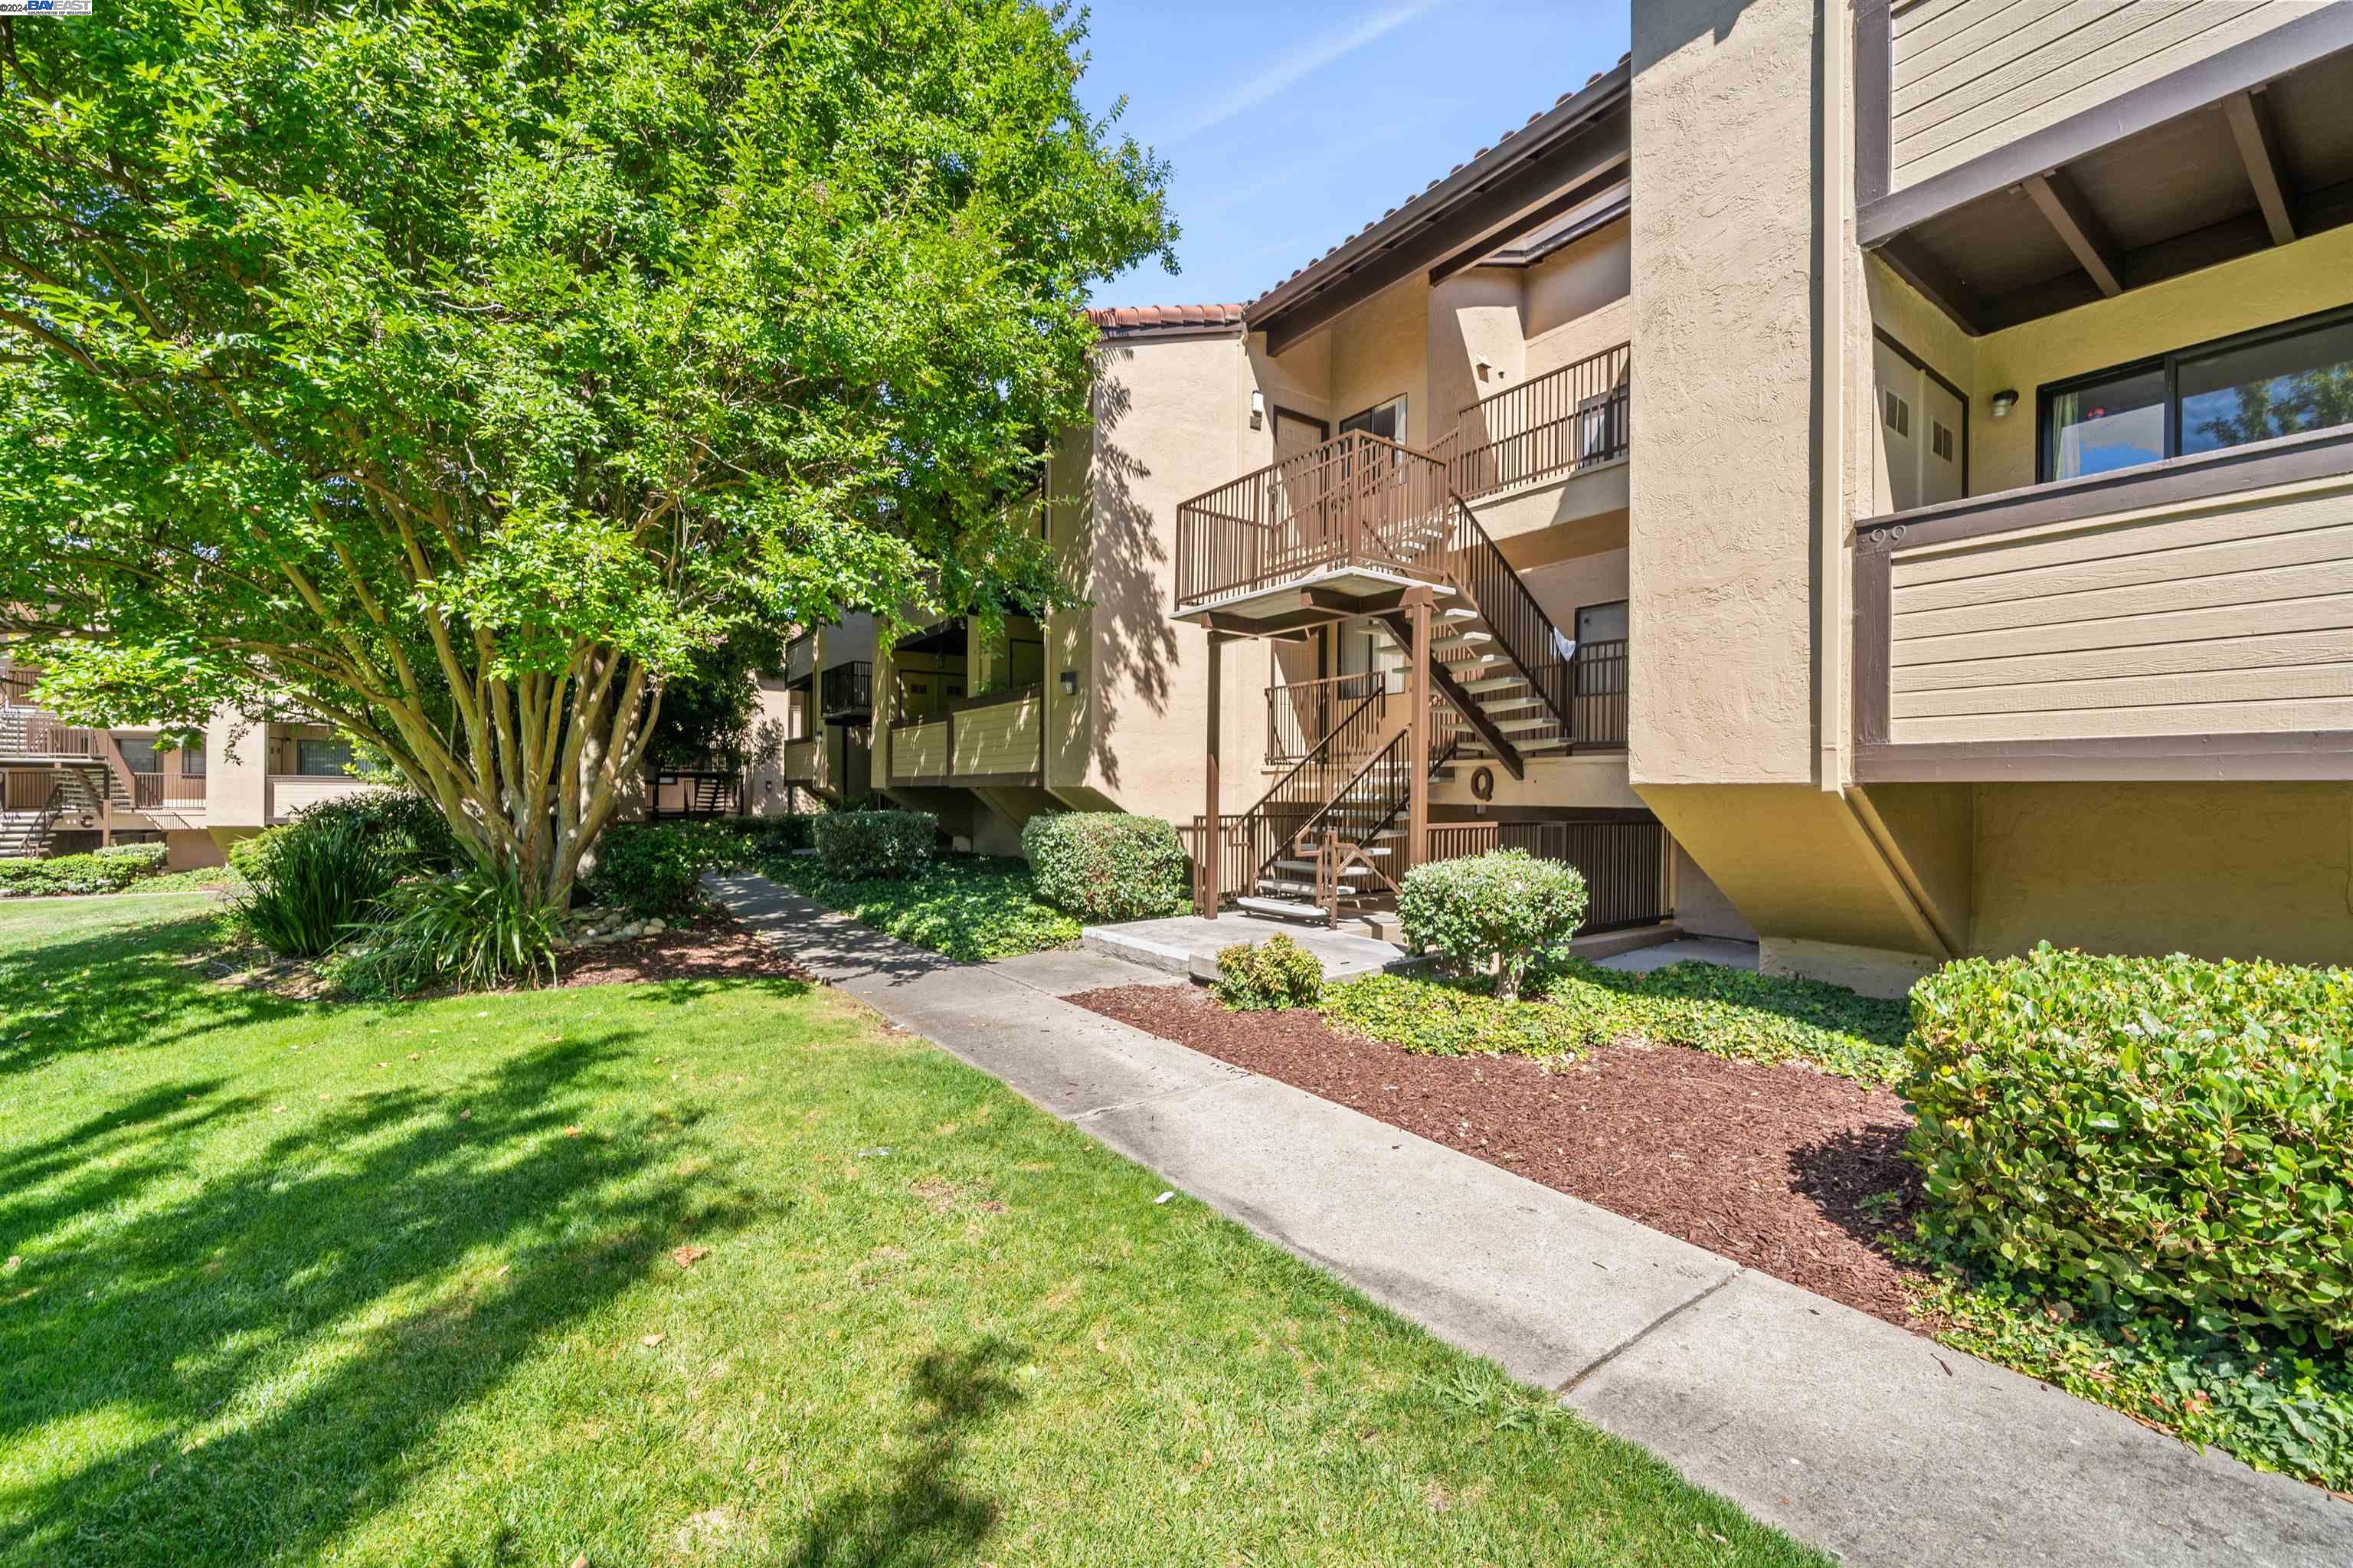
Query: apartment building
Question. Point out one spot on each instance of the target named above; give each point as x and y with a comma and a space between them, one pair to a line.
1992, 484
1441, 402
64, 787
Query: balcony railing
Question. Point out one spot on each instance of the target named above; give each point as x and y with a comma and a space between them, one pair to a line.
997, 739
1556, 423
1598, 686
1358, 502
799, 655
1624, 866
30, 732
1300, 713
150, 791
846, 691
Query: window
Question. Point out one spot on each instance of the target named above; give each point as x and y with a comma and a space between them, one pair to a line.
1601, 648
1940, 439
1895, 413
322, 758
139, 755
1384, 419
192, 761
2279, 381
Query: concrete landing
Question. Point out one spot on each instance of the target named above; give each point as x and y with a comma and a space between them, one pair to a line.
1188, 945
1705, 949
1876, 1445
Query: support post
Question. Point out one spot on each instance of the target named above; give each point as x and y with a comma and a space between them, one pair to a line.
1213, 846
1417, 747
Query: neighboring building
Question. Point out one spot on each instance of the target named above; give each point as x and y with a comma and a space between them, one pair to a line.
1992, 488
817, 718
64, 788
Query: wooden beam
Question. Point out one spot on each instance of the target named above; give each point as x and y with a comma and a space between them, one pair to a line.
1289, 628
2080, 226
1417, 728
2251, 127
1213, 846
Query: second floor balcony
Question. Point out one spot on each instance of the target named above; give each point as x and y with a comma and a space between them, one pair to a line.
996, 740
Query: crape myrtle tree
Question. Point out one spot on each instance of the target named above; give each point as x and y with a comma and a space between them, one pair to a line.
463, 375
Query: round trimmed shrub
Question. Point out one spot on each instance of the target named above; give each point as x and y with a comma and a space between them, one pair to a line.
859, 845
1505, 907
1277, 972
1107, 865
2156, 1128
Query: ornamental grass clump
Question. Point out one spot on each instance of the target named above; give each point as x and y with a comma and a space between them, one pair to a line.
1504, 908
2166, 1130
1105, 866
1275, 973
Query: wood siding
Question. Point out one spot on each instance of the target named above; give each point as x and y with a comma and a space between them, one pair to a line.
803, 763
920, 751
1000, 738
2216, 616
1969, 76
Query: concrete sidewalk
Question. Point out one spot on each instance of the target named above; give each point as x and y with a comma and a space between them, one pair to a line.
1847, 1432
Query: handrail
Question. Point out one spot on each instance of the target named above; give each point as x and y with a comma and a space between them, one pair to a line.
1300, 713
1565, 419
1520, 629
1356, 500
848, 687
1248, 843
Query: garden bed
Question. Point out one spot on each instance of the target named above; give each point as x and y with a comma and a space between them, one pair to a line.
972, 908
1790, 1171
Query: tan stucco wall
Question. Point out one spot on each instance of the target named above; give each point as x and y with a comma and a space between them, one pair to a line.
2214, 870
1701, 906
1578, 299
1475, 318
237, 769
1723, 516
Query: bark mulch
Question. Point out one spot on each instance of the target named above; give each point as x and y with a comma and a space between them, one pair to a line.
1781, 1167
713, 948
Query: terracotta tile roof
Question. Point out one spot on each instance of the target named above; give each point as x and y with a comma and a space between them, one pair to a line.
1122, 319
1624, 61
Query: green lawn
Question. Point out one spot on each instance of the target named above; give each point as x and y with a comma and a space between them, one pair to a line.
972, 907
402, 1283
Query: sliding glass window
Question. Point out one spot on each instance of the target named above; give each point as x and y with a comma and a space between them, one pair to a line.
2280, 381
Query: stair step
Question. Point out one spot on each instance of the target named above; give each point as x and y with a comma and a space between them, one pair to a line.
1282, 909
1517, 727
1495, 684
1462, 639
1509, 704
1534, 746
1309, 867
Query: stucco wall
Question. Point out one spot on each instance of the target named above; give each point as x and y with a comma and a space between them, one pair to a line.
1722, 517
1578, 299
1380, 350
2214, 870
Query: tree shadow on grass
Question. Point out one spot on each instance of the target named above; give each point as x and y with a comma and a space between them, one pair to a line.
278, 1350
926, 1515
131, 987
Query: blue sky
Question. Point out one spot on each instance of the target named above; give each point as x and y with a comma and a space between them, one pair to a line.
1292, 126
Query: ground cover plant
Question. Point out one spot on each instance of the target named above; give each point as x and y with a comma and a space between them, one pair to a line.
703, 1272
858, 846
2136, 1173
1108, 866
970, 907
1575, 1005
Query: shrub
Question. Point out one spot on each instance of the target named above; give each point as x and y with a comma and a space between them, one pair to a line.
779, 834
1277, 972
471, 928
410, 830
2158, 1128
315, 882
858, 845
655, 870
109, 870
249, 857
1107, 865
1505, 905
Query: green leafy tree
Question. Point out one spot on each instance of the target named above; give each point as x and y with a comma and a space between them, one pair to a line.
461, 374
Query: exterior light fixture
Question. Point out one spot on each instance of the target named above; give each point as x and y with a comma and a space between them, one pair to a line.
1070, 683
2003, 402
1258, 409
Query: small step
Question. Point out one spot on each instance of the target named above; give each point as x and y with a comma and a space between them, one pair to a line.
1520, 726
1509, 704
1465, 639
1534, 747
1309, 867
1283, 909
1495, 684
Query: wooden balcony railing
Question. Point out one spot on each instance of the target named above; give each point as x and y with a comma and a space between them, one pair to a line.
1358, 500
799, 655
152, 790
16, 687
1558, 422
997, 739
28, 733
1625, 867
1300, 713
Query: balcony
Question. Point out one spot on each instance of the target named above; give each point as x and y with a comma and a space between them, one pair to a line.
800, 654
2187, 620
804, 762
287, 793
846, 693
1558, 423
992, 741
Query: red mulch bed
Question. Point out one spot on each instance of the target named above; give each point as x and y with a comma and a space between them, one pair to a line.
1767, 1165
713, 949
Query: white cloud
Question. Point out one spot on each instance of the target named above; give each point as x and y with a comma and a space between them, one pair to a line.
1310, 56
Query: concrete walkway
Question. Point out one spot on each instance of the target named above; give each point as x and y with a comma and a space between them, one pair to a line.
1847, 1432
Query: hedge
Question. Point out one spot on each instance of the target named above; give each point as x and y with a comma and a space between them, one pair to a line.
1505, 906
108, 870
2162, 1128
654, 871
1105, 866
857, 845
